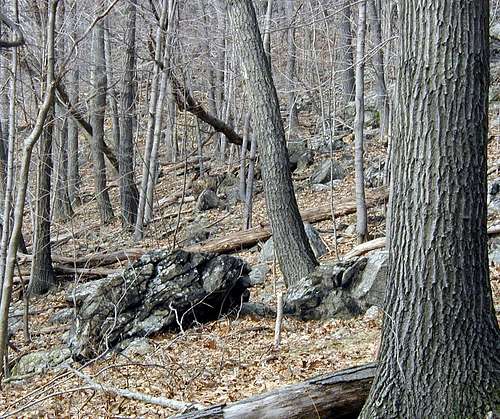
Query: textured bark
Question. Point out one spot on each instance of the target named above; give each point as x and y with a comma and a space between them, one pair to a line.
359, 120
99, 80
339, 395
293, 251
374, 12
346, 68
42, 274
440, 351
61, 209
129, 195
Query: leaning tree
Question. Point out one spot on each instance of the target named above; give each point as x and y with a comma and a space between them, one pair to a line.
440, 351
293, 251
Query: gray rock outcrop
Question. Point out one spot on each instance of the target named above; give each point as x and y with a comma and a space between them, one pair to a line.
343, 289
161, 290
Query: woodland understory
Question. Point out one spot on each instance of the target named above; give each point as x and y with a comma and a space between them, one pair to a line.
236, 356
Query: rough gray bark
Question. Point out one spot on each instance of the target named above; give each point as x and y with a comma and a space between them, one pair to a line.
99, 81
129, 195
294, 253
440, 351
374, 14
42, 275
359, 120
345, 64
339, 395
61, 208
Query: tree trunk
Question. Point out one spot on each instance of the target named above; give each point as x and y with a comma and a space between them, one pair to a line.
62, 206
359, 120
42, 275
112, 93
129, 195
440, 354
294, 253
73, 148
22, 175
346, 68
99, 80
339, 395
293, 115
374, 13
159, 39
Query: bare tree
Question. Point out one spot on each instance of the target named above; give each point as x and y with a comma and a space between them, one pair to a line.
29, 143
99, 82
129, 195
293, 251
345, 65
359, 120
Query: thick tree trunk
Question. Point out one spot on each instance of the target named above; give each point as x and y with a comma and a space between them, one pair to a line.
293, 251
440, 351
42, 274
359, 120
129, 195
99, 80
339, 395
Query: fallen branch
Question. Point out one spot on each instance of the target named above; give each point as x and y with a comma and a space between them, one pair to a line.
379, 243
366, 247
242, 239
134, 395
338, 395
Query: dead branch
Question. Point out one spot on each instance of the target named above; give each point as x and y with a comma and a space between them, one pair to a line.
242, 239
134, 395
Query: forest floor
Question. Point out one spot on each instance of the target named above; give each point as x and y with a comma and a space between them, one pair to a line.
218, 362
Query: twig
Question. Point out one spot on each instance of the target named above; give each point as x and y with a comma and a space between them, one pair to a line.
134, 395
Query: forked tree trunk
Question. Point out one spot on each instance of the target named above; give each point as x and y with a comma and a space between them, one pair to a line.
153, 100
440, 354
42, 274
294, 253
359, 120
99, 80
129, 195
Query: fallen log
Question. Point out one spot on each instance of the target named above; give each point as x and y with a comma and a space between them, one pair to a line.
340, 395
242, 239
91, 261
379, 243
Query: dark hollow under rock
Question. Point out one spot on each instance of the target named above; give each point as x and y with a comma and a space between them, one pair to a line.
160, 291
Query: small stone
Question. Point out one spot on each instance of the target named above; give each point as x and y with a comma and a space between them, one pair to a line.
62, 316
373, 313
258, 274
323, 174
